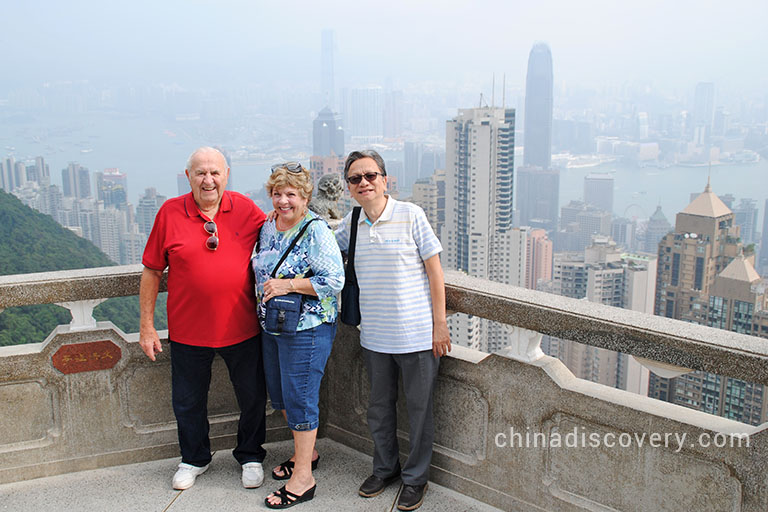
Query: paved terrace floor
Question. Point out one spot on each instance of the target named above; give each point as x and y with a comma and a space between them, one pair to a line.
147, 487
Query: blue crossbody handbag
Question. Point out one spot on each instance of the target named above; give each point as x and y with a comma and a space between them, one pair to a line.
283, 311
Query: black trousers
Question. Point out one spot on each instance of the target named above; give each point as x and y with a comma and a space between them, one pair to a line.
191, 378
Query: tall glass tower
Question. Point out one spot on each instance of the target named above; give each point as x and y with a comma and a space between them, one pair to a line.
537, 137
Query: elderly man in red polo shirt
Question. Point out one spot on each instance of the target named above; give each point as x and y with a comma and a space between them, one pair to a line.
205, 239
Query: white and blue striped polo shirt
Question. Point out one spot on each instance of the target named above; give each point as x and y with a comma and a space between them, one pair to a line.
395, 302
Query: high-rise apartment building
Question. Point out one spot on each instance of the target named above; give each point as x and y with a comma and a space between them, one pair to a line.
146, 210
478, 236
319, 166
537, 131
429, 193
745, 216
705, 240
76, 181
624, 233
579, 222
704, 277
539, 258
112, 187
7, 182
605, 275
327, 134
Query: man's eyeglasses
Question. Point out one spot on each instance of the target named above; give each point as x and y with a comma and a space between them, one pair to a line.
213, 241
294, 167
370, 177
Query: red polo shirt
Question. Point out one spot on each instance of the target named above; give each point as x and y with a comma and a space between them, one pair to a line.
211, 299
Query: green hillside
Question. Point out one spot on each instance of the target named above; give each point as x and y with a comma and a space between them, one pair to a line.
34, 242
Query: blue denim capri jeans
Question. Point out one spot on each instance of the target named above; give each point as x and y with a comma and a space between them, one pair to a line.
294, 365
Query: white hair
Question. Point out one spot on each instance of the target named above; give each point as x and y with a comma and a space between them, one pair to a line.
201, 150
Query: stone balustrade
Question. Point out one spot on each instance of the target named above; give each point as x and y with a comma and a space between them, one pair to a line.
516, 430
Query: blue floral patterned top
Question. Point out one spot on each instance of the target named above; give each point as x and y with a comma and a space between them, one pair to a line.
317, 250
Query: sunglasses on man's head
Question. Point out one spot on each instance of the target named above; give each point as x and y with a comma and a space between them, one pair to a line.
294, 167
370, 177
213, 241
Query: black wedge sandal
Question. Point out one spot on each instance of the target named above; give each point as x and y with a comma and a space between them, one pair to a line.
289, 499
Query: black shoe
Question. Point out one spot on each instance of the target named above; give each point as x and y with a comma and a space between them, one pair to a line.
373, 485
289, 499
411, 497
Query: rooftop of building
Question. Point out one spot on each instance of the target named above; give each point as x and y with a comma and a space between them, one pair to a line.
740, 269
707, 204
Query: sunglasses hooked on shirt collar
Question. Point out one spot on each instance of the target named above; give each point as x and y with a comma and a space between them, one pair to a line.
370, 177
212, 242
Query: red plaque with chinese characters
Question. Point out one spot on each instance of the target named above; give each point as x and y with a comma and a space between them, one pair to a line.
86, 357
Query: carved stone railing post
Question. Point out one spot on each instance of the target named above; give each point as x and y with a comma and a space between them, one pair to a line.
524, 345
82, 313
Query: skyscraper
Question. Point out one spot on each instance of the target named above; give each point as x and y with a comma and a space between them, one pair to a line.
703, 112
704, 277
327, 134
327, 85
745, 216
365, 119
76, 181
6, 176
478, 236
763, 258
704, 242
112, 187
598, 191
658, 226
537, 132
147, 209
538, 197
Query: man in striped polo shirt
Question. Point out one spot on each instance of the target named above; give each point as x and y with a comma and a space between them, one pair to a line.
403, 325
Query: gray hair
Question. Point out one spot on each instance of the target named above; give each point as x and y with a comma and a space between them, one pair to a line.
366, 153
201, 150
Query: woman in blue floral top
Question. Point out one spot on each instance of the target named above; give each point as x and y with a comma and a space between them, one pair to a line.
294, 364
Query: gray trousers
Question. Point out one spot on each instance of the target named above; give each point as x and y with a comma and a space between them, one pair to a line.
419, 370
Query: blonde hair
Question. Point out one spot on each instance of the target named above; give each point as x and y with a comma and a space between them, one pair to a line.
282, 178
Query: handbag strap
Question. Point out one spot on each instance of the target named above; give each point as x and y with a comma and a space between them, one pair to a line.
353, 243
293, 244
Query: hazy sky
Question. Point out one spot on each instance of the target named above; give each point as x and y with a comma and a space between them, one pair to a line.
675, 42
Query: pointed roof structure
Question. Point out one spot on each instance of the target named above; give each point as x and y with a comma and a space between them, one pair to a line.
658, 215
740, 269
707, 205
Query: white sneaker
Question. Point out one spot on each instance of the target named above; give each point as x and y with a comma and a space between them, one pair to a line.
186, 474
253, 475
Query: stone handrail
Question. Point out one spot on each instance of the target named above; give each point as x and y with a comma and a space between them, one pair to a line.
647, 336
